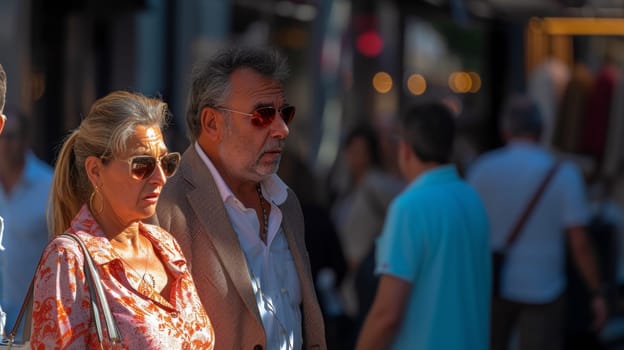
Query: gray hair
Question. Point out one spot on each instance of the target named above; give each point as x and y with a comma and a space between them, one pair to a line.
522, 117
210, 80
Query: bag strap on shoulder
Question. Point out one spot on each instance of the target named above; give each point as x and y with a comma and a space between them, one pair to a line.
517, 228
99, 304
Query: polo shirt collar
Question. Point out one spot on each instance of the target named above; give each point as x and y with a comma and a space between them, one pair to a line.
440, 174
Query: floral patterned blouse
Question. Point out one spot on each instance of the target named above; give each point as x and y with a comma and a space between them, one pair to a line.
61, 317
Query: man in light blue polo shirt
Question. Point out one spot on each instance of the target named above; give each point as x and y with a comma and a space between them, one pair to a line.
433, 255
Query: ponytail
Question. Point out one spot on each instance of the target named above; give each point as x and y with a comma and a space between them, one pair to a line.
65, 196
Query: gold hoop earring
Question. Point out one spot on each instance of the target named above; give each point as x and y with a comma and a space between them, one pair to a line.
92, 199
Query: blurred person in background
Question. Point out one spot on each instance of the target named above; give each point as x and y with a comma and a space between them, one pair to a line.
364, 221
359, 155
239, 225
326, 255
433, 254
533, 278
24, 186
371, 197
359, 206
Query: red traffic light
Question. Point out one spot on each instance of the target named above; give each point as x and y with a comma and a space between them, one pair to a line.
369, 43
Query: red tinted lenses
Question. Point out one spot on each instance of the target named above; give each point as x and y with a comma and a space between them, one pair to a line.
264, 116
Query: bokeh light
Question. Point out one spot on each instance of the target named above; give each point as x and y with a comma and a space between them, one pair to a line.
382, 82
416, 84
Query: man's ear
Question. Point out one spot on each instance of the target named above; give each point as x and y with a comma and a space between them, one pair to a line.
93, 167
506, 136
2, 120
210, 123
404, 151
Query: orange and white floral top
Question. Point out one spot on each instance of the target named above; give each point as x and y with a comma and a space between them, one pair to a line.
61, 313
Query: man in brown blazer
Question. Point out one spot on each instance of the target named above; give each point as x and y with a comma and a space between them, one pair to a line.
240, 227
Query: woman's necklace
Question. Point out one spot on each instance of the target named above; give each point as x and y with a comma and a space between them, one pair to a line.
264, 228
146, 276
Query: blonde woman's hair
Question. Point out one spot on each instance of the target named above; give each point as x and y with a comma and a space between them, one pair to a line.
103, 133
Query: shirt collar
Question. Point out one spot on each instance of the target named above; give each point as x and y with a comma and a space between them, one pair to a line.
273, 188
521, 143
442, 173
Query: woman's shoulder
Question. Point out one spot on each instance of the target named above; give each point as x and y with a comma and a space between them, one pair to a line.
62, 248
63, 242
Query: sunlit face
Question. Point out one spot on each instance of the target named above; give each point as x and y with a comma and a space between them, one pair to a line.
126, 198
248, 152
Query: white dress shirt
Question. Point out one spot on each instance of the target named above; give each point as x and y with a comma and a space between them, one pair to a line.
271, 266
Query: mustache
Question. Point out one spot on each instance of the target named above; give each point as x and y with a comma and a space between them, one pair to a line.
272, 146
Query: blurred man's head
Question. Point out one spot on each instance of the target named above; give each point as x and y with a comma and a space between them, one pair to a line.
362, 150
521, 118
3, 87
427, 131
429, 128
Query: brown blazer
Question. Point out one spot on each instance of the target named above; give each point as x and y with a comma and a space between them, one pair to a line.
191, 209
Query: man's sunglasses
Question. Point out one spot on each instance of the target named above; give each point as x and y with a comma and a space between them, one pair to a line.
142, 167
264, 116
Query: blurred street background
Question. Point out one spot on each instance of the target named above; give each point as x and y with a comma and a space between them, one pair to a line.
352, 61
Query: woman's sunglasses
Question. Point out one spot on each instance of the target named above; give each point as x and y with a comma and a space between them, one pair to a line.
264, 116
142, 167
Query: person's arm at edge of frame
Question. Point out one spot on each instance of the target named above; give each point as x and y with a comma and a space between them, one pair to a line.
586, 264
386, 314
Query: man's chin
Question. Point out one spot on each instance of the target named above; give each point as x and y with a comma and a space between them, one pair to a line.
268, 170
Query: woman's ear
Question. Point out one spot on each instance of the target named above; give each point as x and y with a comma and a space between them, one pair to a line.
93, 167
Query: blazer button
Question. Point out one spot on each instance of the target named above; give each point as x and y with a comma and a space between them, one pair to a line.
257, 347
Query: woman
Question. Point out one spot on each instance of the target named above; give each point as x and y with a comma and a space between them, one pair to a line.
108, 177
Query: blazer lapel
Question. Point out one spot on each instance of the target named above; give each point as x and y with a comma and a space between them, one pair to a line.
210, 210
312, 325
297, 247
288, 227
